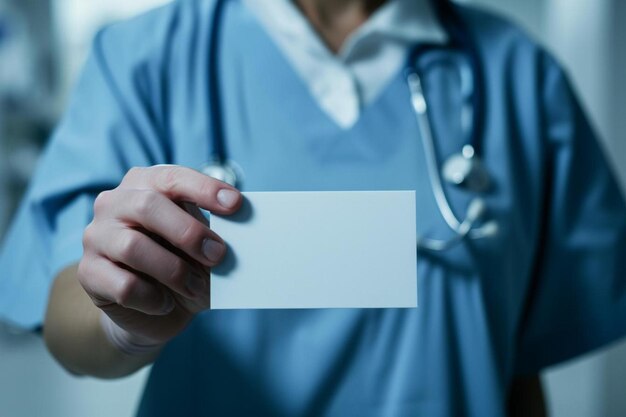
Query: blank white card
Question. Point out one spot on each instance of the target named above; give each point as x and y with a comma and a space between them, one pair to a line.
318, 250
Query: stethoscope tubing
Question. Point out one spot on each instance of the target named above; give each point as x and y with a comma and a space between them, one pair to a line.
218, 142
462, 38
472, 120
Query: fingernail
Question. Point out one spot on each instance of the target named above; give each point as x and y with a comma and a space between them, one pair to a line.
212, 250
168, 304
197, 285
227, 198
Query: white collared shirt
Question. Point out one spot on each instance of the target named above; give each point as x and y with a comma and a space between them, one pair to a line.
344, 83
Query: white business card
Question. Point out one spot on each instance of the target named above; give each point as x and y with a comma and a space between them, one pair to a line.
318, 250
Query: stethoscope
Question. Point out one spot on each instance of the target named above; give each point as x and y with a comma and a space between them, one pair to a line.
464, 170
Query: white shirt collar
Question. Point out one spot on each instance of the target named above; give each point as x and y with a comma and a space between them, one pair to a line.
343, 84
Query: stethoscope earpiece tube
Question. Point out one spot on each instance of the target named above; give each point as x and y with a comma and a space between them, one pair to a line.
461, 36
216, 118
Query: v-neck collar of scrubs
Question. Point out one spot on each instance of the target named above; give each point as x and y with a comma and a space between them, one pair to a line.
344, 84
285, 84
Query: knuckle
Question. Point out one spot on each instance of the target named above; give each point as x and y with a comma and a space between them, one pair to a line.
129, 246
126, 289
83, 272
134, 172
179, 271
208, 186
88, 236
167, 179
145, 203
189, 234
86, 274
102, 202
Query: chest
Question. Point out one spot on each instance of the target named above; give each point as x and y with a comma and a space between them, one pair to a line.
280, 140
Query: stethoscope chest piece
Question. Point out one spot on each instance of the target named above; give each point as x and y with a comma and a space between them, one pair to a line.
467, 171
221, 171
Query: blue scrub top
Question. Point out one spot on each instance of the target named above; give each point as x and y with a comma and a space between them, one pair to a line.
550, 286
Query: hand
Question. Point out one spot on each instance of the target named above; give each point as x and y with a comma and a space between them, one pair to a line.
147, 260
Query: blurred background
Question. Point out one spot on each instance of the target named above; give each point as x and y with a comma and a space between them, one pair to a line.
42, 46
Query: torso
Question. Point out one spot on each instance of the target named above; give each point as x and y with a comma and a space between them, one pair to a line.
452, 355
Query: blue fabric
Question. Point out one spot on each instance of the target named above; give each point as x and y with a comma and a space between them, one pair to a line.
549, 287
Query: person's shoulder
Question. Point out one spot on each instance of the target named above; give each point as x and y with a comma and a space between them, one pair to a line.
495, 30
508, 45
152, 34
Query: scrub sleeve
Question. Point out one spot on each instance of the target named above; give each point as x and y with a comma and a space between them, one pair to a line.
108, 128
577, 300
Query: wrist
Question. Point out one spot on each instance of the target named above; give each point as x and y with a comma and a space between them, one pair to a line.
125, 341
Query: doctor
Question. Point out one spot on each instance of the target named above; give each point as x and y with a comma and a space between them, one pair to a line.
313, 95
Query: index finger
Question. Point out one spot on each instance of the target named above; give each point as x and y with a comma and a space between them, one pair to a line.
185, 184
